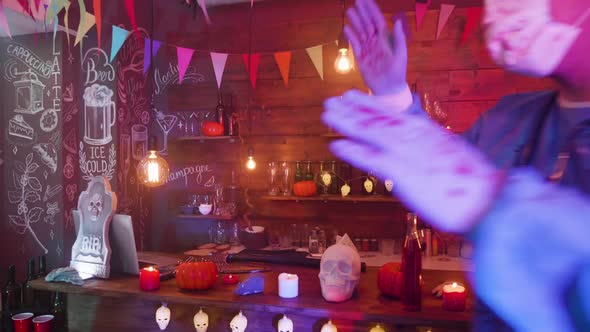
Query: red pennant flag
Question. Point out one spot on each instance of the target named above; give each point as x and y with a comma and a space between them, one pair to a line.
37, 4
283, 60
130, 7
254, 70
27, 7
473, 16
421, 8
98, 17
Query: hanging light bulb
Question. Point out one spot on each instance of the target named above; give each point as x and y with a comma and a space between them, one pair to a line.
251, 164
343, 63
152, 170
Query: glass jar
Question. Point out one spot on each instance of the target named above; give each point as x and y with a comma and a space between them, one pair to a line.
273, 178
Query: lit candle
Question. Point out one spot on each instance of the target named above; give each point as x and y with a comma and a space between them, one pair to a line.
149, 279
230, 279
454, 297
288, 285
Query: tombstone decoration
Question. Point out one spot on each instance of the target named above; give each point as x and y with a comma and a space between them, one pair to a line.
91, 252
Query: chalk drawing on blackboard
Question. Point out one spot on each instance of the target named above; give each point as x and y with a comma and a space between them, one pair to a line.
27, 190
55, 138
1, 158
69, 167
51, 234
139, 137
51, 212
170, 76
14, 150
99, 114
210, 182
87, 166
45, 174
48, 120
19, 132
71, 110
48, 155
68, 94
166, 123
71, 191
51, 191
58, 250
96, 66
32, 61
29, 93
11, 70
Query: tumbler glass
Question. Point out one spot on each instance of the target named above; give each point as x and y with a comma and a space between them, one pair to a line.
285, 179
273, 178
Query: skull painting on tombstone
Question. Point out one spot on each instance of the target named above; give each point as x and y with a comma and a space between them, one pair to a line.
201, 321
285, 325
340, 271
238, 323
95, 206
163, 316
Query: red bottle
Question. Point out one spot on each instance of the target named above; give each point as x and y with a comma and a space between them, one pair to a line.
412, 267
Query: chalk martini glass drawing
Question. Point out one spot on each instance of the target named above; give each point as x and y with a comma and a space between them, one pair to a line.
166, 122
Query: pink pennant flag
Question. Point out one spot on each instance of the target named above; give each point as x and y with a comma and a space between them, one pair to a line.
473, 16
204, 9
130, 7
251, 3
37, 4
421, 8
218, 60
443, 17
26, 5
184, 59
255, 59
155, 46
3, 21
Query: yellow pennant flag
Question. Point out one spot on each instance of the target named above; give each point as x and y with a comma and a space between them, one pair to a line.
54, 8
85, 25
316, 55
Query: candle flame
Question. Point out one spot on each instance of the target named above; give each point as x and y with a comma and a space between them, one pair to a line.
454, 285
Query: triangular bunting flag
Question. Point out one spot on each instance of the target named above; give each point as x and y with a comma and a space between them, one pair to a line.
283, 60
54, 8
473, 16
117, 40
204, 9
98, 16
443, 17
184, 59
26, 5
251, 3
146, 53
37, 5
84, 27
421, 8
130, 7
255, 59
3, 21
218, 60
316, 55
67, 21
405, 24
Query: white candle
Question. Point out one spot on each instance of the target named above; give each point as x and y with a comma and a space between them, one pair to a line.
288, 285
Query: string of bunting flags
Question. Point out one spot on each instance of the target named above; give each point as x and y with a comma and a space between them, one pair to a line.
185, 55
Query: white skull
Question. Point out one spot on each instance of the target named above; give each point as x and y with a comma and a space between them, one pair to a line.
95, 206
163, 316
340, 272
201, 321
377, 328
238, 323
388, 185
285, 325
326, 179
329, 327
368, 184
345, 190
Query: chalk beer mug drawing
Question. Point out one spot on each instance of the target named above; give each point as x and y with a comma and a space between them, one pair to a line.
99, 114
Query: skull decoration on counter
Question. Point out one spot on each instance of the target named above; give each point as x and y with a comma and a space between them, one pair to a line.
285, 325
329, 327
340, 271
238, 323
345, 190
368, 185
201, 321
163, 316
377, 328
388, 186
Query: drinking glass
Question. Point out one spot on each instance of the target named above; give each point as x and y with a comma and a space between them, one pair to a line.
285, 179
273, 178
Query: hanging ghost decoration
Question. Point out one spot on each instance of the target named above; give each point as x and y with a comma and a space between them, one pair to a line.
340, 271
201, 321
163, 316
238, 323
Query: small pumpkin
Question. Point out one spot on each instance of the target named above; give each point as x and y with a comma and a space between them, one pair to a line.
305, 188
389, 279
211, 128
196, 275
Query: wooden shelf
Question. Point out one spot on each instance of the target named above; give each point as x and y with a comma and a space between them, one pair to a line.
202, 139
332, 135
199, 216
334, 198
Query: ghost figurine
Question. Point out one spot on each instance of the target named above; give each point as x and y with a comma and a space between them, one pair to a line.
238, 323
340, 271
163, 316
377, 328
285, 325
388, 186
201, 321
329, 327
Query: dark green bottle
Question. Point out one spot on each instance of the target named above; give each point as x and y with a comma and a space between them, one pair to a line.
335, 183
12, 292
28, 291
298, 172
308, 172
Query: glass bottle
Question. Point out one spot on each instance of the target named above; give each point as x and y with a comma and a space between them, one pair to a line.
42, 271
285, 179
313, 242
322, 241
412, 267
298, 172
308, 172
334, 183
12, 292
229, 118
233, 193
59, 311
28, 292
273, 179
220, 112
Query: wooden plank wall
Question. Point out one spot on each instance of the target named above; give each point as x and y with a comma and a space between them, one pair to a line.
283, 123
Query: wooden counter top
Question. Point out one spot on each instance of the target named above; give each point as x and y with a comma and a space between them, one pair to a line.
367, 303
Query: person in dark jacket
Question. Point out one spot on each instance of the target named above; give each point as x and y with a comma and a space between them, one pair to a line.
545, 131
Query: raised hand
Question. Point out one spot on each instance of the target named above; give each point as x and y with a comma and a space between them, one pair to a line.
381, 55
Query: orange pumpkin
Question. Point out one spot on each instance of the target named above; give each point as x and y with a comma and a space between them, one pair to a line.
196, 275
389, 279
305, 188
210, 128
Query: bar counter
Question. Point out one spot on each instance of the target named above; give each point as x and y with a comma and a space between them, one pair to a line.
119, 305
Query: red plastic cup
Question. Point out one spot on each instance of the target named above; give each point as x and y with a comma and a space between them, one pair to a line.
43, 323
23, 322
